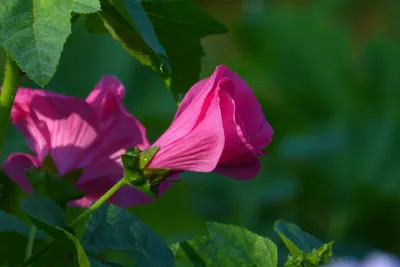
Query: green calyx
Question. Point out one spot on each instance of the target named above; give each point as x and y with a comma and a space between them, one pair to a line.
46, 181
137, 175
315, 258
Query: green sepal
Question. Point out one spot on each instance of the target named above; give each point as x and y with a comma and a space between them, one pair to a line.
53, 186
60, 189
48, 165
146, 181
130, 160
146, 187
136, 174
147, 155
315, 258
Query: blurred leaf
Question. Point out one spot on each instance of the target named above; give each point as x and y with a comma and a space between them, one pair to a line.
13, 236
34, 32
10, 223
313, 144
137, 17
227, 245
295, 239
133, 29
49, 217
46, 181
94, 24
179, 25
42, 209
112, 230
56, 188
10, 193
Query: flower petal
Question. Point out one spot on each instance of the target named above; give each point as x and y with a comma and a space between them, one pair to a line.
195, 139
118, 128
106, 95
70, 126
239, 159
255, 124
35, 131
15, 166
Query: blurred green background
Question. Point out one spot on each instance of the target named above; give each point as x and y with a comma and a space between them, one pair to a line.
327, 74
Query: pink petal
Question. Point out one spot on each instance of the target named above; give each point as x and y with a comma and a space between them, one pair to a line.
15, 166
257, 129
239, 159
198, 92
106, 96
69, 125
35, 131
195, 139
118, 129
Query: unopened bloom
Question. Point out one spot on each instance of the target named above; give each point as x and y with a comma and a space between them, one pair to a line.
219, 127
373, 260
77, 133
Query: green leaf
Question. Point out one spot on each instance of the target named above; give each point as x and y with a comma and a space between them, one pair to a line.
10, 223
59, 189
295, 239
41, 208
94, 24
14, 233
180, 24
111, 228
10, 193
131, 28
33, 32
134, 14
227, 245
49, 217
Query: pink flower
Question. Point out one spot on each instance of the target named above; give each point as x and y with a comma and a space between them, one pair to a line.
219, 127
77, 133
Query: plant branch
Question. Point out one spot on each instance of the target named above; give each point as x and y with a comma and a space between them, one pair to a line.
7, 96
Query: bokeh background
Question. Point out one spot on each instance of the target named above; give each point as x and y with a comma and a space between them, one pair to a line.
327, 74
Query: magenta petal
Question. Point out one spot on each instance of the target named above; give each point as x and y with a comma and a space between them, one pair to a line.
195, 139
26, 121
15, 166
72, 127
257, 129
118, 128
239, 159
106, 96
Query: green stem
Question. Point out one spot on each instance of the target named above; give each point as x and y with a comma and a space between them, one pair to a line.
99, 202
80, 218
8, 92
31, 241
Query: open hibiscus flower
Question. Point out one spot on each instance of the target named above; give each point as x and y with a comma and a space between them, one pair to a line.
77, 133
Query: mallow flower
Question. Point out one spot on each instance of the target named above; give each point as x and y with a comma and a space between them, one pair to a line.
76, 133
219, 126
376, 259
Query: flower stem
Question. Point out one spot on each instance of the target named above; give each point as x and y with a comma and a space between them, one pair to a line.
80, 218
31, 241
7, 95
99, 202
